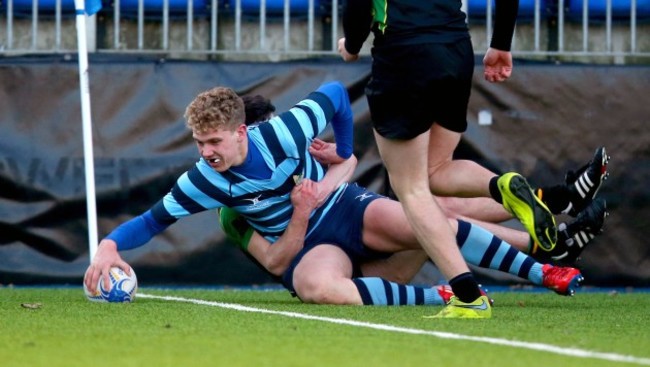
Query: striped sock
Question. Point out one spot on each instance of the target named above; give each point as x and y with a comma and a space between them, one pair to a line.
380, 292
481, 248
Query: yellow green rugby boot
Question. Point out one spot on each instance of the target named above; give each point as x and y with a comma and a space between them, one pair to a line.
520, 201
481, 308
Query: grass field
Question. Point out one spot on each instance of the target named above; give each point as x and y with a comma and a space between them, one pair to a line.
206, 327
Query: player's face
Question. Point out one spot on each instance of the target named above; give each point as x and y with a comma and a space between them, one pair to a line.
222, 148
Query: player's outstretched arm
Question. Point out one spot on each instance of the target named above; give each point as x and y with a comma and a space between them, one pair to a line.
128, 235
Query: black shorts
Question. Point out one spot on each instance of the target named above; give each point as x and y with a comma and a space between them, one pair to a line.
414, 86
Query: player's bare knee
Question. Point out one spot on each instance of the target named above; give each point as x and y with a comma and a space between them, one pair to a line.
320, 292
307, 288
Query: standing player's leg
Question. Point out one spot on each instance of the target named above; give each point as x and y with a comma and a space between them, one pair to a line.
428, 222
397, 97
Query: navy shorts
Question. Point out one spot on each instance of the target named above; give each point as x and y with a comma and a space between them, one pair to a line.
341, 227
413, 86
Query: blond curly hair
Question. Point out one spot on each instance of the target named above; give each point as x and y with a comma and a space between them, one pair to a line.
215, 109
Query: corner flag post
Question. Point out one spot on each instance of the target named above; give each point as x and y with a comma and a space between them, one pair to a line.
89, 7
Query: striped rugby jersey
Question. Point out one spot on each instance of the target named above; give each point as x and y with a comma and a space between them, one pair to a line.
283, 144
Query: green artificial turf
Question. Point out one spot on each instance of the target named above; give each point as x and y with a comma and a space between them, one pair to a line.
59, 327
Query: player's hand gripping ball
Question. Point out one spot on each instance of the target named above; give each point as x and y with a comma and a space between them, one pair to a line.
122, 287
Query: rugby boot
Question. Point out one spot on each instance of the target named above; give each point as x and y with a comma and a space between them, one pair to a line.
584, 183
456, 309
561, 280
446, 293
520, 201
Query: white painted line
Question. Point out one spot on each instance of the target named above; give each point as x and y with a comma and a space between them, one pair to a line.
573, 352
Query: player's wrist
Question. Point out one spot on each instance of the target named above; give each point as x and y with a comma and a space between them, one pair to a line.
108, 245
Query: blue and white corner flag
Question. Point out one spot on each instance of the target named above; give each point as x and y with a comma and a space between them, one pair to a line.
92, 6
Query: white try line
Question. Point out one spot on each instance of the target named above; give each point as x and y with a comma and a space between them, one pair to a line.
573, 352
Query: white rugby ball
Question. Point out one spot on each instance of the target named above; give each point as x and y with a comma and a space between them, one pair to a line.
122, 287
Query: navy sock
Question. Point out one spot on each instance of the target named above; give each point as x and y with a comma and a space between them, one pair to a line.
494, 190
465, 287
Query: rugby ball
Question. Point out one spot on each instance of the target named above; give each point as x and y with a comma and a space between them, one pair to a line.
122, 288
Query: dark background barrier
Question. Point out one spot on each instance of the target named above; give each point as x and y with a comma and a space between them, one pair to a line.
546, 119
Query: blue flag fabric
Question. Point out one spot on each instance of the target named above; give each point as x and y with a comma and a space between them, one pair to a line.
92, 6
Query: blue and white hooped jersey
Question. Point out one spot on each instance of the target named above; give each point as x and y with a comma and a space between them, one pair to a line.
283, 143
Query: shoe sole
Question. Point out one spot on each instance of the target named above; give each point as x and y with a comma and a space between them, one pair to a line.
583, 184
519, 194
574, 284
604, 173
587, 234
576, 241
599, 209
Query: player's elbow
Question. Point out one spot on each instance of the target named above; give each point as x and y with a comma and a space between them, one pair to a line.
353, 161
276, 266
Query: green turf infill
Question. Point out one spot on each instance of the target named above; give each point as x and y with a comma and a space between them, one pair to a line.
571, 352
65, 330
